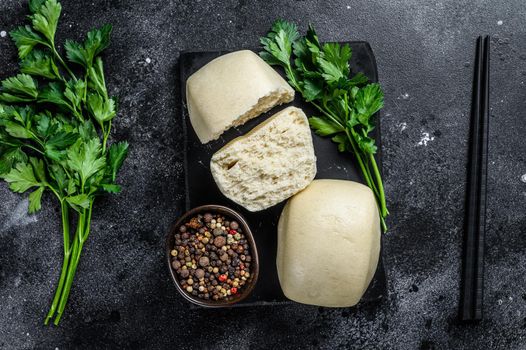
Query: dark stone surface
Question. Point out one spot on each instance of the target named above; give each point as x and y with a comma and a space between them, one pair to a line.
122, 295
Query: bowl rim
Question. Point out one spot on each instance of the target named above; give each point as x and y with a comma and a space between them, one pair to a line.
250, 239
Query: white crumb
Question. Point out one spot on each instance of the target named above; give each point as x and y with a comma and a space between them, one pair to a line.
348, 7
523, 178
499, 22
148, 60
402, 126
425, 139
3, 34
405, 96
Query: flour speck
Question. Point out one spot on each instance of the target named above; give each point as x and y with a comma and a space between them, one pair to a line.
19, 216
405, 96
499, 22
425, 139
18, 281
3, 33
348, 7
523, 178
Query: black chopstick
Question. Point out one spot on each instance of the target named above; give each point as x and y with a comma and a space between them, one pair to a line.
472, 288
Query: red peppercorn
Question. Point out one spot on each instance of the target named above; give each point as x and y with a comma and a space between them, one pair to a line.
233, 290
241, 266
222, 278
232, 232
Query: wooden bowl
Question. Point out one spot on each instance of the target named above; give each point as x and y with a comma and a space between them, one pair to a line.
254, 270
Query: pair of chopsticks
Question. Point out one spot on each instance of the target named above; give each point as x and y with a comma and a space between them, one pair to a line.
472, 288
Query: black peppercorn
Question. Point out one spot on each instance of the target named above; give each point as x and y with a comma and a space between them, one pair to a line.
200, 259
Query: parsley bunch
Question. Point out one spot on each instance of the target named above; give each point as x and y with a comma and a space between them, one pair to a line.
54, 129
347, 104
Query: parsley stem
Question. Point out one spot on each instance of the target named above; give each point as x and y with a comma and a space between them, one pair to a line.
72, 267
59, 58
87, 226
356, 152
380, 197
384, 225
380, 185
292, 78
59, 198
65, 263
33, 148
374, 188
83, 231
106, 135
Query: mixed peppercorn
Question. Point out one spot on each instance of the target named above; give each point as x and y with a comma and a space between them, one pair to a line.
211, 257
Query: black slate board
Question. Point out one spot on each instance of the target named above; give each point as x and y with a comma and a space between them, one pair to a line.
201, 188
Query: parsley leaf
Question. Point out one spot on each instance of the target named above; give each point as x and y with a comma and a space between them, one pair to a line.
117, 154
35, 5
111, 188
369, 100
45, 19
330, 72
101, 109
87, 131
79, 201
97, 40
41, 64
55, 93
35, 200
324, 127
74, 92
96, 78
21, 88
62, 139
25, 39
279, 41
16, 130
21, 178
85, 158
10, 157
312, 89
339, 55
74, 52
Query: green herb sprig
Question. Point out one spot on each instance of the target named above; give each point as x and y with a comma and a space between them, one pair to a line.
55, 121
322, 75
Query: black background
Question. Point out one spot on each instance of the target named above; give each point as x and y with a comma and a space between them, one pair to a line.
123, 296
